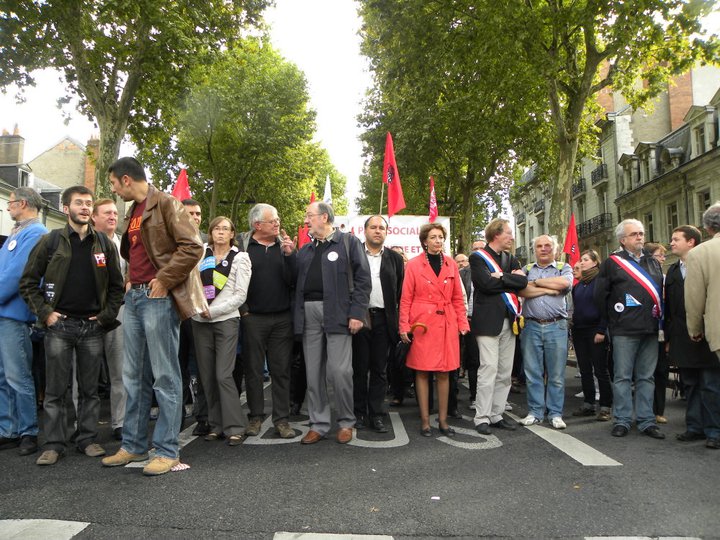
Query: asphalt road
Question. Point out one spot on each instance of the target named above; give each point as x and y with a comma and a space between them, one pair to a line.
530, 483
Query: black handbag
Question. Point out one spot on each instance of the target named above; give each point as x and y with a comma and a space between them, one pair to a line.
401, 351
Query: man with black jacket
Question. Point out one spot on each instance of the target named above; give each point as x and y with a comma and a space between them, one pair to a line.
497, 278
72, 282
371, 345
629, 290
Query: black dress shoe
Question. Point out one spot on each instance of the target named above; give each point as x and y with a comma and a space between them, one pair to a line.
713, 443
117, 434
619, 431
426, 432
689, 436
504, 424
455, 414
360, 422
295, 409
9, 442
483, 428
654, 432
448, 431
378, 424
201, 429
28, 445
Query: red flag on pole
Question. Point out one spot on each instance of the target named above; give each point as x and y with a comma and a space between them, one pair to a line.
391, 177
433, 202
303, 236
572, 248
181, 191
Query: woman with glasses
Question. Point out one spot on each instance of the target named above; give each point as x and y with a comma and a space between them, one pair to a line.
225, 272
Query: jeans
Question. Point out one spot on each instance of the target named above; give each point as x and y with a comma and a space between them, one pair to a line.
702, 390
592, 360
634, 356
151, 336
18, 408
544, 350
83, 340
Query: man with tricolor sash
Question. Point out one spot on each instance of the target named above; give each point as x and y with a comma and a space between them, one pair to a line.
629, 290
496, 279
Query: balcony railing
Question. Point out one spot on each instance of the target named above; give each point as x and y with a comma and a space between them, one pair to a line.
539, 206
595, 225
521, 252
599, 174
521, 217
578, 187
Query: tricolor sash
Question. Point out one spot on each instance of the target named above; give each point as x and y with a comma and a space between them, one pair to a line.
511, 300
639, 274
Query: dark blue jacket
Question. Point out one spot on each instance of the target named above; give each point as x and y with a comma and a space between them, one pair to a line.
586, 315
339, 304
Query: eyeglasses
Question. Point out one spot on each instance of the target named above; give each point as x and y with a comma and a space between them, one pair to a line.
636, 234
10, 203
275, 221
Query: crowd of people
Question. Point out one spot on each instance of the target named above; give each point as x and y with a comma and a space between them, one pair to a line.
156, 299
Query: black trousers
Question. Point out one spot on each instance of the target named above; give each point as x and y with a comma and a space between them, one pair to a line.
662, 372
471, 361
370, 348
186, 357
592, 359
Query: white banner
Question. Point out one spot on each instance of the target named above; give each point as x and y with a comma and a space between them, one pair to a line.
403, 231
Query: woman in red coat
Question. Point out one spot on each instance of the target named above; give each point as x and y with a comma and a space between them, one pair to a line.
432, 308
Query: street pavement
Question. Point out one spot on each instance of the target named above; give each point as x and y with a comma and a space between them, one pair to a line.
530, 483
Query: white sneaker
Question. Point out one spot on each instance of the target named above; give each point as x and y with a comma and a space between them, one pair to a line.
558, 423
580, 394
529, 420
508, 407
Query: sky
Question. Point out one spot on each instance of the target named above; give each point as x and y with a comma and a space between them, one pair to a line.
319, 36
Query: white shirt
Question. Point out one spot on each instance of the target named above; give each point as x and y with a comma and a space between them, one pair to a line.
376, 295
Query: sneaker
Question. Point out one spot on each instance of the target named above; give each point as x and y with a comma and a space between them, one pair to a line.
508, 407
529, 420
93, 450
28, 445
49, 457
253, 428
558, 423
122, 457
660, 419
284, 430
603, 416
160, 465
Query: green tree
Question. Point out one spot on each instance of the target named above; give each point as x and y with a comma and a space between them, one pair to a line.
123, 59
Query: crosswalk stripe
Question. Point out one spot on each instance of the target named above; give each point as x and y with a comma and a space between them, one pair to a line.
328, 536
47, 529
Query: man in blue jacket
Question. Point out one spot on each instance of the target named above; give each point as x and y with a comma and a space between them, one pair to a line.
18, 409
331, 305
629, 291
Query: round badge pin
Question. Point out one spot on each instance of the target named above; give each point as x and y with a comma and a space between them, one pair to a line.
224, 263
332, 256
619, 307
12, 245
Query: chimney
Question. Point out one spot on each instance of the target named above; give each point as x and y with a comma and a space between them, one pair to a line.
12, 147
680, 97
91, 155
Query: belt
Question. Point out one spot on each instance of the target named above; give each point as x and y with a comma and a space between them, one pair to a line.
376, 310
545, 321
140, 285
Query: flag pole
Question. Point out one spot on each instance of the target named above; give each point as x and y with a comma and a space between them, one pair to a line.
382, 191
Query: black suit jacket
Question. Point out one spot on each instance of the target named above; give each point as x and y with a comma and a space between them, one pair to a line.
392, 272
489, 309
684, 352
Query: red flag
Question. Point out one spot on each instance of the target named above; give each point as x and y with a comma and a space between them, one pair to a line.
303, 236
181, 191
433, 202
571, 243
391, 177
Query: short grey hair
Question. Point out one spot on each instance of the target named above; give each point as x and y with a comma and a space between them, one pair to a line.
553, 241
325, 208
711, 218
620, 229
30, 196
256, 213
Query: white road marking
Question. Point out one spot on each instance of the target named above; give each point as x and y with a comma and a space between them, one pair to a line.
582, 453
47, 529
328, 536
490, 441
642, 538
401, 437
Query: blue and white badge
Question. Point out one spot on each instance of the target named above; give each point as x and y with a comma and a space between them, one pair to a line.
208, 263
631, 301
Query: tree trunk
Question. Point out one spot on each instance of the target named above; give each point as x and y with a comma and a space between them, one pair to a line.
561, 196
110, 138
466, 214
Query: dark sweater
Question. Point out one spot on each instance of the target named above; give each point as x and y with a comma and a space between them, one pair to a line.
586, 315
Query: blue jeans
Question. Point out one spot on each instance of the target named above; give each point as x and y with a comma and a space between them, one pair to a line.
634, 357
151, 341
18, 406
702, 390
544, 348
67, 339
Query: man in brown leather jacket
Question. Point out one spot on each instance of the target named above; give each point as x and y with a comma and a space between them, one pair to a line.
162, 246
